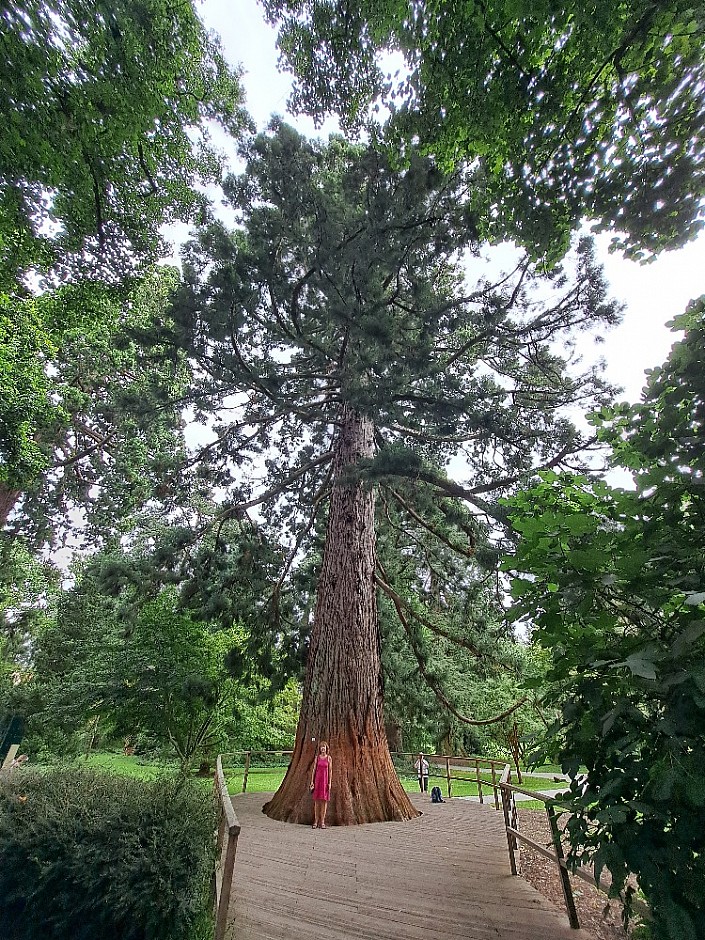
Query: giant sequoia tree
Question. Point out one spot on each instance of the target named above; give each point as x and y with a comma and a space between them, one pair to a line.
572, 109
342, 350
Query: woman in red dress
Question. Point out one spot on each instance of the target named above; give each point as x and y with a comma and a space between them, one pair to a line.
320, 785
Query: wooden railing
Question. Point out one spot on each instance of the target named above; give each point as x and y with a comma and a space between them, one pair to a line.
247, 765
511, 824
482, 771
514, 836
228, 832
495, 776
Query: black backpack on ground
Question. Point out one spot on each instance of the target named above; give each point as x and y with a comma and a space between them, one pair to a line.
436, 795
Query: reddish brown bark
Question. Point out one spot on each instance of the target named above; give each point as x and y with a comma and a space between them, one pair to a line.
342, 701
8, 500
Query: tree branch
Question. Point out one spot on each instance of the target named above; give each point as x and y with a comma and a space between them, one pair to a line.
467, 552
432, 684
279, 488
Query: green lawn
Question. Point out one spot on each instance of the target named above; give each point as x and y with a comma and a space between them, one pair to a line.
268, 779
127, 766
258, 781
549, 769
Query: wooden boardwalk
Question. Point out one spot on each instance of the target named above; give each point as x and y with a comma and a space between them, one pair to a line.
443, 875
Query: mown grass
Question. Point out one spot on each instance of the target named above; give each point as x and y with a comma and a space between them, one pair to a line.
268, 779
126, 766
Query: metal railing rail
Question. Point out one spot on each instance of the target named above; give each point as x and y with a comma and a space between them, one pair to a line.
226, 847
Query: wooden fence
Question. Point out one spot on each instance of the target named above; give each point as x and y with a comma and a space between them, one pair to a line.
228, 832
514, 836
482, 771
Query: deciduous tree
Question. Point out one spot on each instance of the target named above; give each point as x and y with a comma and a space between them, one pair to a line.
105, 114
91, 415
570, 109
614, 583
145, 644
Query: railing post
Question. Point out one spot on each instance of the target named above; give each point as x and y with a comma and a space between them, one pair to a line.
228, 832
448, 775
221, 920
247, 770
494, 786
479, 781
511, 842
563, 871
513, 814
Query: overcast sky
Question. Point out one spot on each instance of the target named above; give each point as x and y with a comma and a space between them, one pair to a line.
653, 294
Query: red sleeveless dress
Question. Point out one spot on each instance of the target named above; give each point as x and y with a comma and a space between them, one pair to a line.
321, 786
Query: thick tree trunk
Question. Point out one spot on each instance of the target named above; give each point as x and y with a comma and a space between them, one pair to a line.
342, 702
8, 500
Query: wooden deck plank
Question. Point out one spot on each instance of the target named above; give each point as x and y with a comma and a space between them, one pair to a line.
443, 875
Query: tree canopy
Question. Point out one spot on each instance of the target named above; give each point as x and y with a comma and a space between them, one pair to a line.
568, 109
105, 114
152, 643
91, 416
343, 285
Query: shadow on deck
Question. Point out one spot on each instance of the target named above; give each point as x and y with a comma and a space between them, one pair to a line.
443, 875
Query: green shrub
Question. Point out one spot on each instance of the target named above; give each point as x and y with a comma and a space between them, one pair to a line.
89, 855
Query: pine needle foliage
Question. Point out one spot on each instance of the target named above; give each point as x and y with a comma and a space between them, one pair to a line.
342, 288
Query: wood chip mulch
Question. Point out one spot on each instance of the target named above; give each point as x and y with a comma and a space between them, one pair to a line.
596, 912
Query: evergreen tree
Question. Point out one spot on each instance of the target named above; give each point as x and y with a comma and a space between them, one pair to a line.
450, 662
336, 322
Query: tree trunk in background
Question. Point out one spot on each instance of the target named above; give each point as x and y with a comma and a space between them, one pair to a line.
394, 735
8, 500
342, 701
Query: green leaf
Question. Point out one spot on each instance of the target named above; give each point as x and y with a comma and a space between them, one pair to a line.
662, 784
640, 664
688, 637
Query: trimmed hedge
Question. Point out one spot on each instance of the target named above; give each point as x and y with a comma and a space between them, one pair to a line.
86, 855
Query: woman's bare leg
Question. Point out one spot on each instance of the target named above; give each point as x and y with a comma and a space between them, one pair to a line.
324, 807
